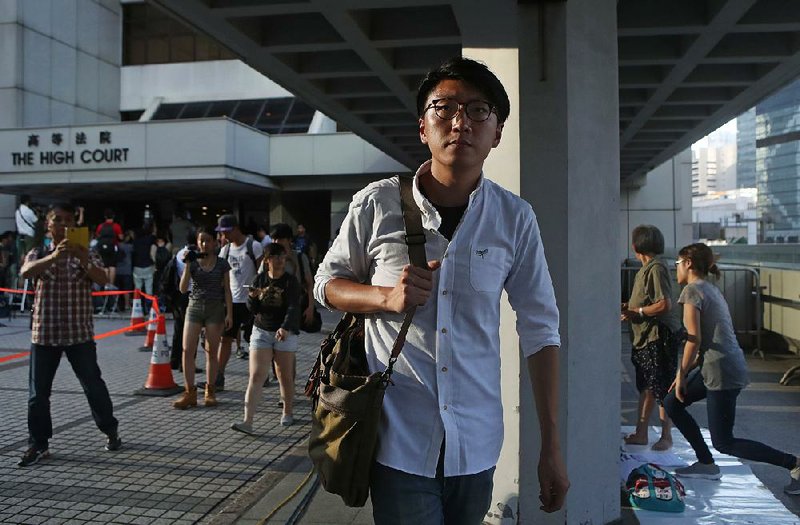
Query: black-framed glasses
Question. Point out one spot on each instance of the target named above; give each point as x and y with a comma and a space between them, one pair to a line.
447, 108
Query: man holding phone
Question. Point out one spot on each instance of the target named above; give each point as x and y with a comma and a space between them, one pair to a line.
62, 323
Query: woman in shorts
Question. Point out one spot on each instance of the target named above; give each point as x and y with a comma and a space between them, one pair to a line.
274, 300
210, 307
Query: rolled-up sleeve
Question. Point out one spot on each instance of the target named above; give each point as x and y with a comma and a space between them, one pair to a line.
530, 291
347, 257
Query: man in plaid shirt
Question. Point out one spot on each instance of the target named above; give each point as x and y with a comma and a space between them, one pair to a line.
62, 323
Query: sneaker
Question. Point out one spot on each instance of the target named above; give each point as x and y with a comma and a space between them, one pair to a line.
287, 421
243, 354
268, 382
699, 470
793, 488
32, 456
220, 383
114, 442
244, 428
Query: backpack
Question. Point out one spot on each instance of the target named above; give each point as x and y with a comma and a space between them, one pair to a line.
163, 257
652, 488
170, 284
315, 325
105, 240
248, 246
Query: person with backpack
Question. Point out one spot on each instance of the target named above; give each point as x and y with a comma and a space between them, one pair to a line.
174, 301
162, 257
243, 255
144, 254
108, 234
27, 225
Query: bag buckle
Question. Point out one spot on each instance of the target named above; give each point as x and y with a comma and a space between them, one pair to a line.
415, 238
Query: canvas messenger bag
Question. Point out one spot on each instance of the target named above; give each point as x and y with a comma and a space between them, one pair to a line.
346, 397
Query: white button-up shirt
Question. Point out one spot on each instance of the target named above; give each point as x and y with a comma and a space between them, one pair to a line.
447, 378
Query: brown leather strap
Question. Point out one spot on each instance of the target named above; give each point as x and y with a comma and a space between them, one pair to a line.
415, 240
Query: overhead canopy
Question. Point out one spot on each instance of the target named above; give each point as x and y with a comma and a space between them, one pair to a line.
685, 66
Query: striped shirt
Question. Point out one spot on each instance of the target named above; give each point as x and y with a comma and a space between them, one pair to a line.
62, 306
207, 284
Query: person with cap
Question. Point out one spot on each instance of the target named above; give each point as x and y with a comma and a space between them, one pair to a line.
244, 256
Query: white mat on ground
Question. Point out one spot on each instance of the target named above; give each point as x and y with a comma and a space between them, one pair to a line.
738, 498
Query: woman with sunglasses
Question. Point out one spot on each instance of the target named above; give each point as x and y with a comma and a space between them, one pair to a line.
713, 368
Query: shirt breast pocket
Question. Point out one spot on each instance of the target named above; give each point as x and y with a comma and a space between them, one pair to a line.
487, 268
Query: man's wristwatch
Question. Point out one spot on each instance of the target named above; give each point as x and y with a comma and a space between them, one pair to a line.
641, 313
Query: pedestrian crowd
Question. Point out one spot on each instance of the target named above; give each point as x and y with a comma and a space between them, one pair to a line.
220, 285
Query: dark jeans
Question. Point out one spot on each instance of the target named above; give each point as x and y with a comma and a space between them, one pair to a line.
399, 498
721, 405
43, 366
178, 314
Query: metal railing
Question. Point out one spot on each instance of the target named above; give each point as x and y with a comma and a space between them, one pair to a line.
741, 287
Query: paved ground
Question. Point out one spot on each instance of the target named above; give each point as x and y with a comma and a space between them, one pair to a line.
175, 467
189, 467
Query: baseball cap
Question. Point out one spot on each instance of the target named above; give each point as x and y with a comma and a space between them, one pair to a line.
226, 223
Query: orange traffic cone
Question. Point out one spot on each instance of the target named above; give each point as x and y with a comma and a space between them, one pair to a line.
150, 337
159, 377
137, 314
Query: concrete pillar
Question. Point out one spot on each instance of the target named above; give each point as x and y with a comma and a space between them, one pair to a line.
340, 201
560, 151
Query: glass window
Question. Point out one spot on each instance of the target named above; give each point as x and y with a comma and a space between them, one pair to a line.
152, 37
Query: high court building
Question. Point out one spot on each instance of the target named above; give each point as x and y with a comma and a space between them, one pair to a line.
279, 110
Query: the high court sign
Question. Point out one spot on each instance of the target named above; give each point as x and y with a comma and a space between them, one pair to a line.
81, 148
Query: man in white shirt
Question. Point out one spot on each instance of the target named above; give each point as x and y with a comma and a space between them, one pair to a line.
442, 429
26, 220
244, 257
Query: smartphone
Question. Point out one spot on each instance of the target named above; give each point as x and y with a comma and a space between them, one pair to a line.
78, 235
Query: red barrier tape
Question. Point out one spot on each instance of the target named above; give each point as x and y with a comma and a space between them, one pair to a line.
99, 336
94, 294
9, 290
13, 356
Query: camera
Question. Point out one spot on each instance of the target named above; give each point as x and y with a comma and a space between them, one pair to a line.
192, 254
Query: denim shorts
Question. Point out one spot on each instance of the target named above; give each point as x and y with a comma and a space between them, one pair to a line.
266, 339
205, 312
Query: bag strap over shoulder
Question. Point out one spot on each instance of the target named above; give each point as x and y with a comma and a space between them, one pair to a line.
415, 241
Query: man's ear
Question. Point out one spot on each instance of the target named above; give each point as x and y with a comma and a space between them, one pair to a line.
498, 135
422, 137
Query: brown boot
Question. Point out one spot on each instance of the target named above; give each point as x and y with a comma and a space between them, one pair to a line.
187, 400
210, 397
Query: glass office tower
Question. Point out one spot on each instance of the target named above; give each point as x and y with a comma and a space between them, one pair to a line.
778, 165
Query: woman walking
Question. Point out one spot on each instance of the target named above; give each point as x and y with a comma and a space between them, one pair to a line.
654, 329
712, 348
274, 300
210, 306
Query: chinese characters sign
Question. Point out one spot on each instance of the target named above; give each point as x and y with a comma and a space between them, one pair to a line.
104, 152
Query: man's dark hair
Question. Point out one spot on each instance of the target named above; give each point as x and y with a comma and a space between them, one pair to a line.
647, 239
275, 249
25, 199
63, 206
473, 73
281, 231
108, 213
